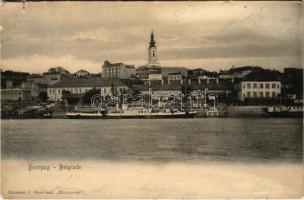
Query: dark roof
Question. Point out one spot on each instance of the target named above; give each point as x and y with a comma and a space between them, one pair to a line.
245, 68
81, 71
175, 73
42, 85
227, 85
107, 64
35, 76
89, 82
262, 76
130, 66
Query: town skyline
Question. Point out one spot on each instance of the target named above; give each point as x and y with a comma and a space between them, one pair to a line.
188, 35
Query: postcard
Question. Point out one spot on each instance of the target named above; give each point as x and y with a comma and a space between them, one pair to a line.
151, 100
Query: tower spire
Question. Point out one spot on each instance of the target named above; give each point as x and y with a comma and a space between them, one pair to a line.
152, 41
152, 52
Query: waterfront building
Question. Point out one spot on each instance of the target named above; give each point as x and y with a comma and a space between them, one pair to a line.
15, 94
164, 90
79, 86
117, 70
259, 85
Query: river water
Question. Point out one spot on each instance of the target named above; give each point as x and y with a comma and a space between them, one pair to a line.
178, 140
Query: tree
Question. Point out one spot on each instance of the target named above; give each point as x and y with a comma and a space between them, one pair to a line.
87, 97
43, 96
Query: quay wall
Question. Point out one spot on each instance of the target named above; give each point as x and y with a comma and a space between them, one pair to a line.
246, 111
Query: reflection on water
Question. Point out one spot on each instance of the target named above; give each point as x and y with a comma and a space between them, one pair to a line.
204, 139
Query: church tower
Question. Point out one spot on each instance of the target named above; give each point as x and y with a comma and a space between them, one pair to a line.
152, 52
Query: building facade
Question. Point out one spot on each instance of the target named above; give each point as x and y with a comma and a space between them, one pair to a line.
15, 94
81, 86
259, 85
117, 70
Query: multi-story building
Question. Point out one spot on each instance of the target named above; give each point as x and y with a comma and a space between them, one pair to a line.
15, 94
164, 90
83, 85
172, 77
264, 84
117, 70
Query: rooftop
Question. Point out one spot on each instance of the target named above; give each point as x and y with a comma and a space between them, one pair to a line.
88, 82
226, 85
265, 75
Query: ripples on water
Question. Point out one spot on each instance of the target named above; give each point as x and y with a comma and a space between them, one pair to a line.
185, 140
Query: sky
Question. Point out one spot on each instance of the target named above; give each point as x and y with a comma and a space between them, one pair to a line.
211, 35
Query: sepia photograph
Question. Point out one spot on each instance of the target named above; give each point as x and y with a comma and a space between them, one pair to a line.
151, 100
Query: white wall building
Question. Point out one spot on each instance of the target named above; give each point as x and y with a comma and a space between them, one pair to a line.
259, 85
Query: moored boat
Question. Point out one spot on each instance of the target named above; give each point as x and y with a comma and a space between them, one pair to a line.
285, 111
148, 113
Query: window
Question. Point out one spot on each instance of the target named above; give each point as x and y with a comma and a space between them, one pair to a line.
273, 85
248, 94
274, 94
261, 85
254, 85
267, 85
278, 85
255, 94
261, 94
248, 85
267, 94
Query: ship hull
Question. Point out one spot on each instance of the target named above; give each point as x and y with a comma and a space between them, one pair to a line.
152, 116
286, 114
